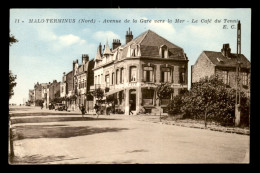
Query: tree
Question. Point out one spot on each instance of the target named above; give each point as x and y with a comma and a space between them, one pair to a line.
12, 84
210, 99
163, 91
99, 94
12, 40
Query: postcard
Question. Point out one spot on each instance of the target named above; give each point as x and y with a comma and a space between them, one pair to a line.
129, 86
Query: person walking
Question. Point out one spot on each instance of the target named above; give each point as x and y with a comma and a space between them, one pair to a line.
82, 110
130, 108
96, 107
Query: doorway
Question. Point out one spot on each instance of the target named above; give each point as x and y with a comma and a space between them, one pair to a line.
132, 99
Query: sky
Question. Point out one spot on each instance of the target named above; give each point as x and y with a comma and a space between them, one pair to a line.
47, 48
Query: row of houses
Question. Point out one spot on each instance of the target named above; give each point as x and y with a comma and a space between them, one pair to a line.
131, 72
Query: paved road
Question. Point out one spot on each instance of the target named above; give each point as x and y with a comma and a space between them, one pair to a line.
46, 137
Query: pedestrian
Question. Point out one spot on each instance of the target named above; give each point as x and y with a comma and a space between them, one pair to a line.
82, 110
41, 105
96, 109
130, 108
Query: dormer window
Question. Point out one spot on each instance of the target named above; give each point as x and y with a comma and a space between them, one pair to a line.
164, 51
134, 50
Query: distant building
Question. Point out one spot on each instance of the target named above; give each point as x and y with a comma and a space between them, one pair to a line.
31, 97
40, 92
131, 72
224, 65
54, 90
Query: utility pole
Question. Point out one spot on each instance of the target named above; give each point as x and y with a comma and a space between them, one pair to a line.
238, 78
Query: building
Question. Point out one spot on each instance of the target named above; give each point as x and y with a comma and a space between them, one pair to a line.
131, 72
224, 65
82, 79
31, 97
40, 93
54, 90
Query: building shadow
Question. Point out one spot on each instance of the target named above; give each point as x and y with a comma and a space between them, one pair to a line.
55, 119
43, 114
57, 131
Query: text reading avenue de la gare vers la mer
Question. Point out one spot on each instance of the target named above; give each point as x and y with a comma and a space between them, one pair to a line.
206, 21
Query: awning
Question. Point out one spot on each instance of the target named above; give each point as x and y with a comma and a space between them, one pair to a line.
113, 91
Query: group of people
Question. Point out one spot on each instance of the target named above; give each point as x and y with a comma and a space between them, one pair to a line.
99, 109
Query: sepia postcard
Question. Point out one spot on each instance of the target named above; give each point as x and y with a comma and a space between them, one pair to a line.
129, 86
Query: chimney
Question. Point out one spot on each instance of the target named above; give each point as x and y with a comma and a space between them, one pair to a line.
116, 43
129, 36
226, 50
85, 58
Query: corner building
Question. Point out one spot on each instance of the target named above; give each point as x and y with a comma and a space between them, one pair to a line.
131, 72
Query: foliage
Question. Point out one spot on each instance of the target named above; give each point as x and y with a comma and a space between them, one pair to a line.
99, 94
164, 91
12, 84
106, 89
39, 102
110, 99
209, 99
12, 40
174, 107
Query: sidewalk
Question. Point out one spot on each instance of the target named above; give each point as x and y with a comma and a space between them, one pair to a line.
184, 123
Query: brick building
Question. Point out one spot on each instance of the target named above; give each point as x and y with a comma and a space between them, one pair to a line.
131, 72
224, 65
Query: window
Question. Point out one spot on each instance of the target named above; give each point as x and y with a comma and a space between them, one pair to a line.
83, 84
165, 74
148, 95
95, 79
148, 74
107, 80
101, 78
117, 76
164, 52
182, 75
133, 75
113, 78
225, 77
98, 79
122, 75
244, 78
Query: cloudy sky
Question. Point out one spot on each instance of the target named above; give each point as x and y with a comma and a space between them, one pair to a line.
46, 50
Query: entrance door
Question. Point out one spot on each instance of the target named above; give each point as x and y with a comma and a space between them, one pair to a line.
132, 99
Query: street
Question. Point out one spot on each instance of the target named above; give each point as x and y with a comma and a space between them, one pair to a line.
59, 137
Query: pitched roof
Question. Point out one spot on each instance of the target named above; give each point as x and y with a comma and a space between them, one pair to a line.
107, 49
98, 55
219, 59
150, 44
